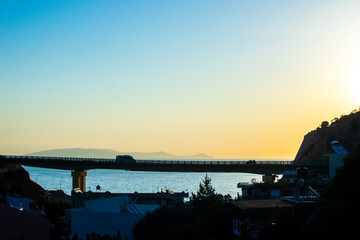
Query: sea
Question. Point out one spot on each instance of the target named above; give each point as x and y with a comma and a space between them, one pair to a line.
122, 181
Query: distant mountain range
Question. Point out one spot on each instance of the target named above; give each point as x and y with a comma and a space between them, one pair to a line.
109, 153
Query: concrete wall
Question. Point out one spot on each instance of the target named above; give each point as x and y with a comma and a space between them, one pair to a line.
107, 216
335, 162
114, 204
18, 202
83, 222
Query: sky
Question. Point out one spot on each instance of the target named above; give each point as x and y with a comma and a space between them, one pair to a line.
232, 79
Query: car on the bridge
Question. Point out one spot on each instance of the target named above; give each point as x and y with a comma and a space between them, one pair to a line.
125, 159
251, 162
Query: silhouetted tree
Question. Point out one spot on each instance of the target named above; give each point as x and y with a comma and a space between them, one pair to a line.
207, 216
205, 196
324, 124
167, 222
336, 218
97, 236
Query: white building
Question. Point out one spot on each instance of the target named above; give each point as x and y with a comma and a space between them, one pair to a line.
107, 216
249, 191
18, 202
336, 158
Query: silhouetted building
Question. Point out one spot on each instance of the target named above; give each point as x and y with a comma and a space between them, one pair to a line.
258, 213
336, 158
19, 202
17, 224
108, 213
161, 198
108, 216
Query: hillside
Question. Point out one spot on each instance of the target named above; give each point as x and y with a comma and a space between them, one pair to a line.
108, 153
15, 179
345, 129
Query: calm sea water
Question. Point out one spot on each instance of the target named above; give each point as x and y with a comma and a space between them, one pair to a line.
121, 181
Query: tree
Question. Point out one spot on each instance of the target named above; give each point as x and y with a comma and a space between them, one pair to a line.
336, 217
206, 190
205, 196
323, 127
324, 124
347, 181
167, 222
214, 212
207, 216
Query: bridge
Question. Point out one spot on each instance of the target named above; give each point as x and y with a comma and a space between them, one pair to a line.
79, 166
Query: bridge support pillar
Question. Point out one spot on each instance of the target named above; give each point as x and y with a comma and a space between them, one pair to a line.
79, 179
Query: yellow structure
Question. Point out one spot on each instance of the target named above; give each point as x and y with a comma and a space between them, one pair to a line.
79, 179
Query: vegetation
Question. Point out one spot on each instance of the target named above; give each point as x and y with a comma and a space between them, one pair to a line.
97, 236
208, 215
345, 129
334, 219
53, 208
15, 180
351, 117
206, 196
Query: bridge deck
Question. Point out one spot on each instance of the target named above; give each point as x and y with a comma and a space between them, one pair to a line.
70, 163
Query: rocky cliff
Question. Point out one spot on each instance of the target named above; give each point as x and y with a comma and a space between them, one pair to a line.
345, 129
15, 179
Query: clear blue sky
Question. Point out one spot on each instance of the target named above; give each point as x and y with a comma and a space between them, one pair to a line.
220, 77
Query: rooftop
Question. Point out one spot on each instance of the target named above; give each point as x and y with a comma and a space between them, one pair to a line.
263, 204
